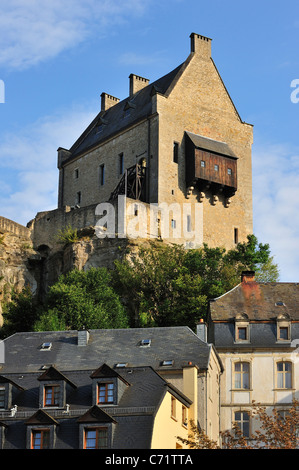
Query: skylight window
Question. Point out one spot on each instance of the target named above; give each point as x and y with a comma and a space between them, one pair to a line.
121, 364
145, 342
46, 346
280, 304
168, 362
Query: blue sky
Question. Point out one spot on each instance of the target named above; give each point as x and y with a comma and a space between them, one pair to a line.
56, 58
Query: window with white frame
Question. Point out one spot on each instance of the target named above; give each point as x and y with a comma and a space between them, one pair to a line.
284, 374
242, 420
241, 375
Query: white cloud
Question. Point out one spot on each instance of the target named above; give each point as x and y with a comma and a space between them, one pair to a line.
30, 161
276, 206
130, 58
31, 31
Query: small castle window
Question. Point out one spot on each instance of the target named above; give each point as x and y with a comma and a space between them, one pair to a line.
229, 171
216, 167
121, 163
175, 152
78, 197
76, 173
202, 164
236, 236
102, 175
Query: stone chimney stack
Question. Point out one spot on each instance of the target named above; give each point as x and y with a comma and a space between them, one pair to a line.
83, 337
137, 83
201, 45
248, 276
201, 330
107, 101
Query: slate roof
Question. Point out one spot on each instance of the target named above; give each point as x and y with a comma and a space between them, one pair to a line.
143, 387
262, 304
258, 301
141, 107
180, 344
133, 415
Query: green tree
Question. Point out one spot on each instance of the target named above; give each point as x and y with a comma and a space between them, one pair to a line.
168, 285
254, 256
158, 288
82, 299
19, 313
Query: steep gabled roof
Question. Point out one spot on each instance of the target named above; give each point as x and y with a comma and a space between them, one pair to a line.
106, 372
53, 374
113, 120
41, 417
96, 415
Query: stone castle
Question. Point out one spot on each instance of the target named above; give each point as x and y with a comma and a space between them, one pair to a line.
177, 145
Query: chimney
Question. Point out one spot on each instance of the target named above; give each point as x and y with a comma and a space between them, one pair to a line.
83, 337
201, 330
248, 276
201, 45
190, 389
137, 83
107, 101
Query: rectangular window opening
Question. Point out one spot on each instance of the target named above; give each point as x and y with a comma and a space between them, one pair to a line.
40, 439
175, 152
121, 164
236, 236
102, 175
105, 393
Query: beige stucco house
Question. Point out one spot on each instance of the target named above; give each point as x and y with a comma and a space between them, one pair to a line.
254, 328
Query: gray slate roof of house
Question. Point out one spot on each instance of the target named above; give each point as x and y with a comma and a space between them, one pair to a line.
261, 304
180, 344
258, 300
135, 412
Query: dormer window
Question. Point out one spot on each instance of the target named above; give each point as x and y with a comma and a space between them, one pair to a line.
54, 388
105, 393
51, 395
95, 429
108, 386
242, 331
283, 327
46, 346
8, 392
